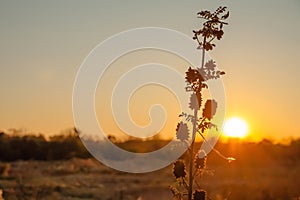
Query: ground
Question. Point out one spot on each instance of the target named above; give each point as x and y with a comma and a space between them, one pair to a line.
87, 179
79, 179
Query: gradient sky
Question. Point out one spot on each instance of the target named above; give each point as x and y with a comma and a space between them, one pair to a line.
42, 45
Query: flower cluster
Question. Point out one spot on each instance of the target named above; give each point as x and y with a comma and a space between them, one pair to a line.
209, 71
212, 27
196, 78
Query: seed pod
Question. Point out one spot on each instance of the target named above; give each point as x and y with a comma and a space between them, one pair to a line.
210, 109
179, 169
199, 195
182, 131
200, 160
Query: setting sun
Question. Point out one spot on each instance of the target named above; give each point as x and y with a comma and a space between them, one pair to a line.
235, 127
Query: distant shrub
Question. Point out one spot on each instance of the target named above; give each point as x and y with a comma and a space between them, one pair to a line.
30, 147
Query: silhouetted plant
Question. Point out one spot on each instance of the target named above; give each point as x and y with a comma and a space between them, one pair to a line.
196, 79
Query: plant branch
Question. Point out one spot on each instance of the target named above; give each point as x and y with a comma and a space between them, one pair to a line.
211, 39
185, 183
215, 150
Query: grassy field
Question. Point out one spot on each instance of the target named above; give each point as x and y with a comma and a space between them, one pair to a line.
79, 179
258, 173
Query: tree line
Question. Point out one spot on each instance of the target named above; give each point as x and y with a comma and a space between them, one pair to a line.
68, 145
32, 147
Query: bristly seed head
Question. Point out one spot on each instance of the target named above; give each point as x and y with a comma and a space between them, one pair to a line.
179, 169
200, 160
199, 195
210, 109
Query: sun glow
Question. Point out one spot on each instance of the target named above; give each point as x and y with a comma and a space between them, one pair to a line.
235, 127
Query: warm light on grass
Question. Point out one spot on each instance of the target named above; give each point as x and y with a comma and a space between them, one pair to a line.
235, 127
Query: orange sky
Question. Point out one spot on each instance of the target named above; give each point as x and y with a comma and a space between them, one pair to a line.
44, 43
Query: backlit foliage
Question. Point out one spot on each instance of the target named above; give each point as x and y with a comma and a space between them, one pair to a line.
196, 79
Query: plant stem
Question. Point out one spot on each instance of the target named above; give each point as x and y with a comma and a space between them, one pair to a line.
191, 178
203, 50
203, 55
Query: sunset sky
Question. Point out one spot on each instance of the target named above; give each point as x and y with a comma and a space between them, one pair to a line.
43, 44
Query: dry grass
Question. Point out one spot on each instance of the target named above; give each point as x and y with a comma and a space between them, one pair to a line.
78, 179
256, 175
